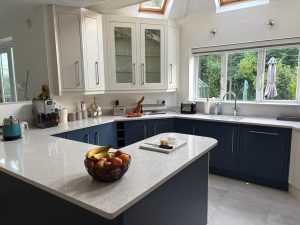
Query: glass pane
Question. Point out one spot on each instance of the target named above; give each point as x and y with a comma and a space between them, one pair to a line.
123, 45
5, 78
241, 75
281, 72
209, 75
156, 4
152, 55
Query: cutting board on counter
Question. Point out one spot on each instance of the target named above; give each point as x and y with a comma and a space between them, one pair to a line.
153, 146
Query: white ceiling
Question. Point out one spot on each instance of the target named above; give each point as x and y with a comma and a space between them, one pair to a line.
9, 6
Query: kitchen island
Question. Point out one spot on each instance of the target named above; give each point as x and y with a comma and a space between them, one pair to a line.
43, 181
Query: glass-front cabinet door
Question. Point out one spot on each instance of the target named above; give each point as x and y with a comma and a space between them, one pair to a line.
123, 55
152, 56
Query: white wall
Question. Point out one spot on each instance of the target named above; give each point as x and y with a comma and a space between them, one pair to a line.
245, 25
29, 48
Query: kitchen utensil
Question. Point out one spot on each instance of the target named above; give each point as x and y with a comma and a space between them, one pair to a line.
78, 115
11, 129
84, 114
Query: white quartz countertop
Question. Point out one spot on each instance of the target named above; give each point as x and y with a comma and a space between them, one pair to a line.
247, 120
56, 166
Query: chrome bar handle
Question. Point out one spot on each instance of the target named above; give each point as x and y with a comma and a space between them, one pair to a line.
145, 132
143, 73
232, 141
265, 133
97, 73
87, 138
77, 75
96, 138
133, 74
171, 73
194, 130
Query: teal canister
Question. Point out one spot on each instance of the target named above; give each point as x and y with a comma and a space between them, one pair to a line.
11, 129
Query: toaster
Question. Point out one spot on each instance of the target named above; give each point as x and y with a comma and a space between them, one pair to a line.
188, 108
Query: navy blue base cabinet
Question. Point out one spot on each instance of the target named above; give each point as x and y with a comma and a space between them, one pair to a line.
185, 126
138, 130
82, 135
97, 135
264, 155
101, 135
223, 158
135, 131
160, 126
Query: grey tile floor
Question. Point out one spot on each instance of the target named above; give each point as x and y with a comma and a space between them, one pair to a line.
233, 202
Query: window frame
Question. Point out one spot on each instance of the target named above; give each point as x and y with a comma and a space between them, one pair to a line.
160, 10
260, 85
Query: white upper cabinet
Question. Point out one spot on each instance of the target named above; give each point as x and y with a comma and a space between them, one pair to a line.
137, 55
79, 50
93, 51
69, 42
173, 42
153, 56
123, 56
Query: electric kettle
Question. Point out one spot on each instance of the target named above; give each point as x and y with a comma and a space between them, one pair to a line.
11, 129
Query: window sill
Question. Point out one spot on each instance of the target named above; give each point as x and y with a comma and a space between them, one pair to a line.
254, 103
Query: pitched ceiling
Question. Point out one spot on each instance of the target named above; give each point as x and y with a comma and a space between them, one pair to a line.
9, 6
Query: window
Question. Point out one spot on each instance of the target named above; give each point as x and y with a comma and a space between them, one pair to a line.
208, 76
285, 61
226, 2
241, 75
7, 77
262, 74
154, 6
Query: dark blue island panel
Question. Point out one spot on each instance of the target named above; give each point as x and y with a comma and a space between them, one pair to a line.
180, 200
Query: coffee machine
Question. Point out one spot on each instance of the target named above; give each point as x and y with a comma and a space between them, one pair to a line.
44, 114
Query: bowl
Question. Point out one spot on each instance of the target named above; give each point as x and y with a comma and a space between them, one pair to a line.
104, 172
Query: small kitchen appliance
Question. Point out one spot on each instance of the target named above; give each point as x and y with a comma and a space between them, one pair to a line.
11, 129
44, 114
188, 108
150, 109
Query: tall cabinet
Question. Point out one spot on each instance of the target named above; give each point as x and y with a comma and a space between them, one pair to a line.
137, 55
79, 49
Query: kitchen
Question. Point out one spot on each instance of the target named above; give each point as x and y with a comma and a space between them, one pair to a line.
193, 29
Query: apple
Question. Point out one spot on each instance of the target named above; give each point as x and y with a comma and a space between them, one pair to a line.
118, 153
124, 157
101, 163
116, 161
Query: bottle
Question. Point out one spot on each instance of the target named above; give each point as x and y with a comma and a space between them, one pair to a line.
207, 106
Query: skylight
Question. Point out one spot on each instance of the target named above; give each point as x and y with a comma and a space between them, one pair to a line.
229, 5
154, 6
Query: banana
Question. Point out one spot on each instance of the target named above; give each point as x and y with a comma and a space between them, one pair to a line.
99, 150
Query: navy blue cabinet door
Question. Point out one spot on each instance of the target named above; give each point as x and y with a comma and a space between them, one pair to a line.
61, 135
265, 153
82, 135
135, 131
101, 135
223, 158
160, 126
185, 126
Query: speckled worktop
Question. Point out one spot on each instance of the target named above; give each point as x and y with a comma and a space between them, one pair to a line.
267, 121
56, 165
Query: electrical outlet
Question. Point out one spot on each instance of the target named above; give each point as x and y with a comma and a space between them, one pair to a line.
161, 101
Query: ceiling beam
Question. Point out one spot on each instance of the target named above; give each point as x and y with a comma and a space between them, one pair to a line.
110, 5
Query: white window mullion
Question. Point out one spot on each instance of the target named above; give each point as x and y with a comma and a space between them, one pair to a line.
298, 82
223, 80
260, 75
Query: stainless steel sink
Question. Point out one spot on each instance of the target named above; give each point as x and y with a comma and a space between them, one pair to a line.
227, 117
289, 118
